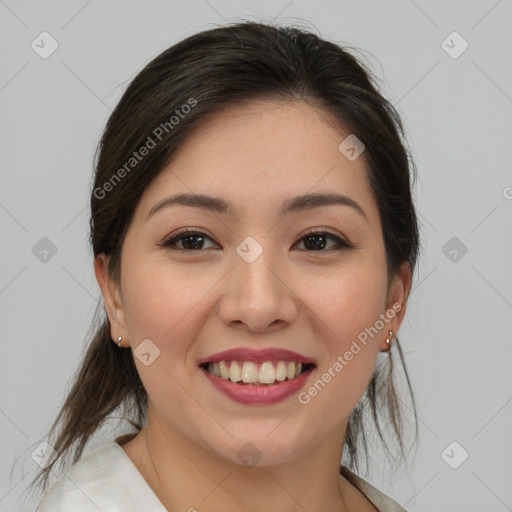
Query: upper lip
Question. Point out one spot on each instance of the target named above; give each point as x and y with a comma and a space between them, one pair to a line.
257, 356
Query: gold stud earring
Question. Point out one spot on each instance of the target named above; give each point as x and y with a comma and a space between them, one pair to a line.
119, 341
388, 339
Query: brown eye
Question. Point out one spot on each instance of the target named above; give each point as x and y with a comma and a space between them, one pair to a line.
193, 241
190, 240
317, 241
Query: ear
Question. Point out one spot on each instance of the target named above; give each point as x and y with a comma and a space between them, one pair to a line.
396, 302
112, 298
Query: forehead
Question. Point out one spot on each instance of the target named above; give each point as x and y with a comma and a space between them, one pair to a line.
260, 155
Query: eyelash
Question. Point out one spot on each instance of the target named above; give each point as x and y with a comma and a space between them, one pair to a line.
179, 235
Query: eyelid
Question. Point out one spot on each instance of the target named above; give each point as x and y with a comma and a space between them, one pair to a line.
177, 235
320, 230
341, 241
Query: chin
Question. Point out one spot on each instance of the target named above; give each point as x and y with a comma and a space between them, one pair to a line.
267, 443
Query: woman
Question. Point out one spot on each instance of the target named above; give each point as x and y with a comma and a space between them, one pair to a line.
254, 240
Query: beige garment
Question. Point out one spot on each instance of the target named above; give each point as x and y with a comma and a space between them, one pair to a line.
382, 502
106, 479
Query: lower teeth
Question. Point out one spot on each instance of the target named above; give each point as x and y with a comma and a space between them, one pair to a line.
258, 383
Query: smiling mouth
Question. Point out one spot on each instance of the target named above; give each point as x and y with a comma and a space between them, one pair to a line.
249, 373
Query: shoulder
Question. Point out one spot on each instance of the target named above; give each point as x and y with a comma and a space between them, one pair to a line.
380, 500
86, 486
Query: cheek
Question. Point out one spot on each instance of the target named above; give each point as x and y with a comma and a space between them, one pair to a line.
162, 303
348, 301
146, 306
347, 310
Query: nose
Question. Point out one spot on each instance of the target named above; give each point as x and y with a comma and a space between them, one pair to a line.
257, 296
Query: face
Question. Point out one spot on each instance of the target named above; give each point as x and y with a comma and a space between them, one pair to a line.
310, 281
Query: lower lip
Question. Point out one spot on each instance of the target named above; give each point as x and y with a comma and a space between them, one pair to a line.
247, 394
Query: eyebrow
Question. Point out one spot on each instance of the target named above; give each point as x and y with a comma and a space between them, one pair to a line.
218, 205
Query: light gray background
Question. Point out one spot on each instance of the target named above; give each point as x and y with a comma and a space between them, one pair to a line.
458, 116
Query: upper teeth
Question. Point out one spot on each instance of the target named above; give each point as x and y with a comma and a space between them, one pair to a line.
248, 371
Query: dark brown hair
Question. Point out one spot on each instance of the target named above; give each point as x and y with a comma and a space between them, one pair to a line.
206, 72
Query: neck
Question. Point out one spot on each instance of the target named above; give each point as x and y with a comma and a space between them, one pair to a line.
186, 476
